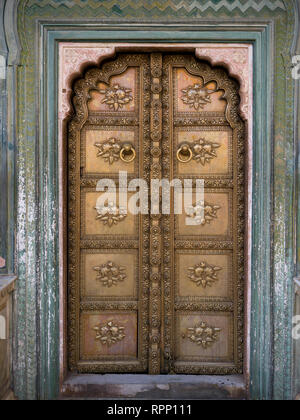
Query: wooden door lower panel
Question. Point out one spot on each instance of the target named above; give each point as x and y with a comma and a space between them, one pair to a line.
111, 319
208, 356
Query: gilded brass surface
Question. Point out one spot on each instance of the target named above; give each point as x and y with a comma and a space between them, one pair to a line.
148, 293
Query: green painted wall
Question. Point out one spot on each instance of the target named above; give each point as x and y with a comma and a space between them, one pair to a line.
3, 145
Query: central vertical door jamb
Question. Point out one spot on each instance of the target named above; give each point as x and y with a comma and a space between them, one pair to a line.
155, 311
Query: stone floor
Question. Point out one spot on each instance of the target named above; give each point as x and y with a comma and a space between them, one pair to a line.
147, 387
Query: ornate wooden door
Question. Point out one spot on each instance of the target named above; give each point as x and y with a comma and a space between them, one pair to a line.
147, 292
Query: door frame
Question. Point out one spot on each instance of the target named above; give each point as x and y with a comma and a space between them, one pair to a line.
268, 312
81, 56
159, 46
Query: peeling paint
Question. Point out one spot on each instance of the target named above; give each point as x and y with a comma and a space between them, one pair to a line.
2, 67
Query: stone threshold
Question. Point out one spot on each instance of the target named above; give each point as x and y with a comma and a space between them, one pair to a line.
150, 387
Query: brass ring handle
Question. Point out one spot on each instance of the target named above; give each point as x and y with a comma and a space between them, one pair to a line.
128, 149
184, 150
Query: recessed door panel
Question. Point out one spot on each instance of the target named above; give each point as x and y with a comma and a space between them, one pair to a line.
210, 152
211, 219
103, 150
109, 336
204, 337
109, 274
120, 96
105, 216
194, 94
203, 275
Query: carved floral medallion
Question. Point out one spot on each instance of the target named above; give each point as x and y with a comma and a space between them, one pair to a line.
110, 274
110, 333
204, 274
111, 214
204, 151
116, 97
202, 334
109, 150
203, 213
197, 96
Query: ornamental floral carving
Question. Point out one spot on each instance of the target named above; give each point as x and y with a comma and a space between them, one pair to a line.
202, 334
110, 274
204, 274
204, 151
116, 97
109, 150
203, 213
197, 96
110, 333
111, 214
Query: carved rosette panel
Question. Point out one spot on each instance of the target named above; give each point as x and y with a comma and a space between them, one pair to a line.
109, 334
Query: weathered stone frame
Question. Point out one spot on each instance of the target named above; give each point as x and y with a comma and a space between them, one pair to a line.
74, 58
36, 307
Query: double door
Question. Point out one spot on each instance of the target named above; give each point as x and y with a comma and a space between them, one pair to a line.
154, 289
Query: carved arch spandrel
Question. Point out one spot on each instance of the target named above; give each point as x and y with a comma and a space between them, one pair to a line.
74, 60
83, 87
237, 59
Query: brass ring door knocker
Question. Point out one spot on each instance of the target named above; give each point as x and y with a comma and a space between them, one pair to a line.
128, 153
184, 153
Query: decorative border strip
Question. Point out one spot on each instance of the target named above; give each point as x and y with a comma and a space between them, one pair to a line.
169, 7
